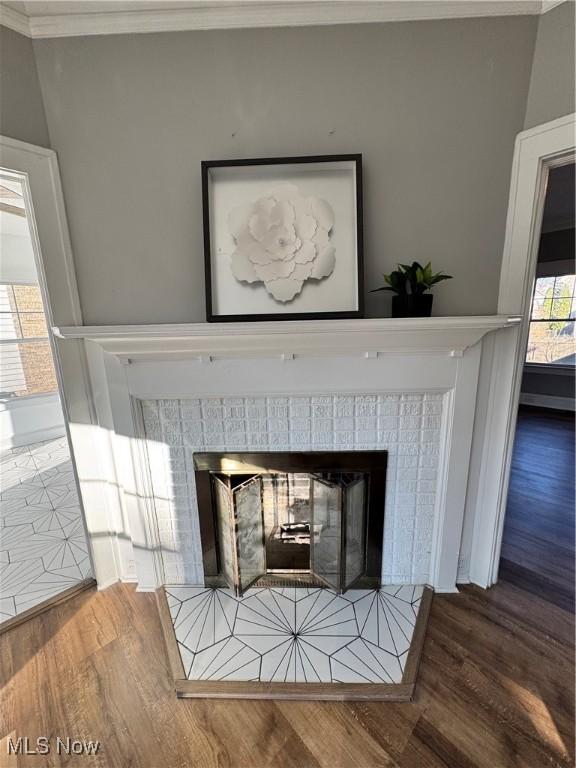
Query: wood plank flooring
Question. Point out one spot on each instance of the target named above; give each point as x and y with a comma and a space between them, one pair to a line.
495, 689
538, 543
495, 686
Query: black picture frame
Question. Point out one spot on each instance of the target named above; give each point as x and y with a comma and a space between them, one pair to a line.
207, 165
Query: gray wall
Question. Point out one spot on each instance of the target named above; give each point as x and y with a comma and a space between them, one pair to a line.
21, 108
548, 383
551, 92
433, 106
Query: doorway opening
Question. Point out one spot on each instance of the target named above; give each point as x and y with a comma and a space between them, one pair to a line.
538, 542
43, 547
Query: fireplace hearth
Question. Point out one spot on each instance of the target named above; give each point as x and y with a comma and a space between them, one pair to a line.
295, 518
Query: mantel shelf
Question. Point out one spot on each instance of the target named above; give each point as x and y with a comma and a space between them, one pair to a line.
368, 337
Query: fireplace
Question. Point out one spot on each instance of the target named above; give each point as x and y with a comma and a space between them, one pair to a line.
314, 518
407, 387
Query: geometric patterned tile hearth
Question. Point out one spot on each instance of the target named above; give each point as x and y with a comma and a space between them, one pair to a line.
43, 548
294, 634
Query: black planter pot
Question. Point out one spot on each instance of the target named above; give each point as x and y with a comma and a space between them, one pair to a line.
412, 305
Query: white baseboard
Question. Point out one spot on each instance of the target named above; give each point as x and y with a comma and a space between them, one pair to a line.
104, 585
548, 401
34, 436
31, 419
120, 580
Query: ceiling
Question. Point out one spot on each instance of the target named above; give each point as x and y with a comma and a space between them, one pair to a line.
38, 18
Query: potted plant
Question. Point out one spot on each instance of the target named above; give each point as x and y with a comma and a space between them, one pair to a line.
409, 283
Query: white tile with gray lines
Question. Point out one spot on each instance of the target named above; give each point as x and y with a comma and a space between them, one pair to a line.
43, 548
294, 634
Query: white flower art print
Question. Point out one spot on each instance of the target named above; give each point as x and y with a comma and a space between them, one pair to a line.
282, 239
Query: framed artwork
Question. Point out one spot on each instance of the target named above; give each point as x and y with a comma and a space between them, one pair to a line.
283, 238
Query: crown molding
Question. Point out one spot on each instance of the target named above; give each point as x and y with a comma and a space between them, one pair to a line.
244, 14
15, 20
547, 5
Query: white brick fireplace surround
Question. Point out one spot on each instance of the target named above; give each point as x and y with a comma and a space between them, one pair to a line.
408, 426
162, 393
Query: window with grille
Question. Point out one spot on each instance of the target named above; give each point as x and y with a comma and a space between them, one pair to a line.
552, 340
26, 365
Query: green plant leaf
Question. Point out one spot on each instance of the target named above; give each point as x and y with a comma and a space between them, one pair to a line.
412, 278
384, 288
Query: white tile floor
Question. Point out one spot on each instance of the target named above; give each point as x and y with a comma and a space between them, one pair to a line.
295, 634
42, 543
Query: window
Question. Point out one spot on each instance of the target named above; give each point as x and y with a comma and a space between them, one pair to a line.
26, 366
552, 321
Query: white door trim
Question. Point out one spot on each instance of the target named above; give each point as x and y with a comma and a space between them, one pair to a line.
536, 151
37, 169
45, 200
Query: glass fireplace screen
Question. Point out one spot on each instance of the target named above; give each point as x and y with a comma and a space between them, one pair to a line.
262, 518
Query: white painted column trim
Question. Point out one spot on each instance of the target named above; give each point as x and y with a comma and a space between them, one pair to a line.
457, 432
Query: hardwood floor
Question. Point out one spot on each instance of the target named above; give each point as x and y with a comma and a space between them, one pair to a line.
495, 689
538, 543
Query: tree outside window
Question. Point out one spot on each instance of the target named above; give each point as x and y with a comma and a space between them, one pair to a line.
552, 339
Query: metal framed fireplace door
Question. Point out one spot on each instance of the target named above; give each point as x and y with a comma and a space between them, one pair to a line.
337, 529
240, 523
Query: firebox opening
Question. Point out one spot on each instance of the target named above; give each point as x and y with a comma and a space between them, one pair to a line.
301, 521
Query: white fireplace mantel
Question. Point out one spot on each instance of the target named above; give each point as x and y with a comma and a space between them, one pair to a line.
138, 370
370, 337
